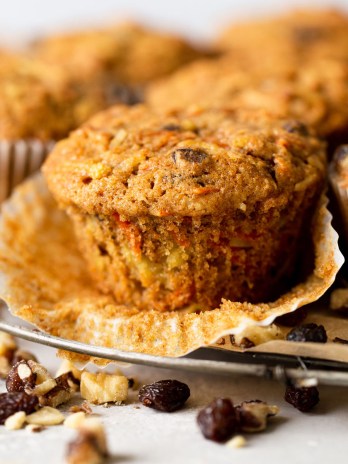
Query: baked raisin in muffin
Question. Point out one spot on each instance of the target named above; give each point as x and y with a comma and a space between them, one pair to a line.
181, 209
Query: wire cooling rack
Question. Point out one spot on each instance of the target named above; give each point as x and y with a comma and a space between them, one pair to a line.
299, 370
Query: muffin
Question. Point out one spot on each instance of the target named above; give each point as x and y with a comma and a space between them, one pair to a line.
298, 35
125, 53
181, 209
315, 92
38, 100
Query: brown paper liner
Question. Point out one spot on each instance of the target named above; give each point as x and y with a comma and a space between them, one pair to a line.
43, 279
19, 159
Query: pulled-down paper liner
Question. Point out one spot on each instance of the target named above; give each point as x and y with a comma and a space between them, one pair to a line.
43, 279
19, 159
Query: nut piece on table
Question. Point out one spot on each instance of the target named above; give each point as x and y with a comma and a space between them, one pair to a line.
20, 377
238, 441
44, 381
102, 388
16, 421
75, 420
89, 447
68, 366
253, 415
66, 386
83, 407
46, 416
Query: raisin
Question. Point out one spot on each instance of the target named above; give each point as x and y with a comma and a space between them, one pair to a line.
308, 333
303, 399
296, 127
218, 421
171, 127
13, 402
165, 395
292, 319
189, 154
307, 35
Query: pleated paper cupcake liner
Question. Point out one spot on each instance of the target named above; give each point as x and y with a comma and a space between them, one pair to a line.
18, 160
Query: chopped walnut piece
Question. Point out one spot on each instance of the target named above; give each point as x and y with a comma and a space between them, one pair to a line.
102, 388
75, 420
84, 407
20, 377
238, 441
253, 415
89, 447
44, 381
46, 416
66, 386
21, 355
16, 421
34, 428
68, 366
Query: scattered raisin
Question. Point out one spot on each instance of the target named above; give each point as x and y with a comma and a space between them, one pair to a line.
218, 421
308, 333
189, 154
296, 127
303, 399
13, 402
165, 395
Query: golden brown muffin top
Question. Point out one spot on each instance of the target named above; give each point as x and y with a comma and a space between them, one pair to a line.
316, 92
299, 34
127, 52
137, 161
38, 101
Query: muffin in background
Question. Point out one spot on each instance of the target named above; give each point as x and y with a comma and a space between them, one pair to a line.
315, 92
39, 101
295, 35
125, 53
181, 209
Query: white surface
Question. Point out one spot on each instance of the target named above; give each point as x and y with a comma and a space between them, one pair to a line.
149, 437
194, 18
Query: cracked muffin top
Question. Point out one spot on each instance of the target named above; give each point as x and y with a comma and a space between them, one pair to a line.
316, 92
139, 161
38, 101
127, 52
